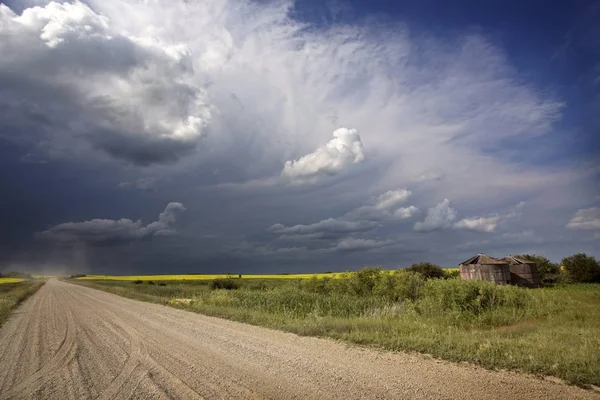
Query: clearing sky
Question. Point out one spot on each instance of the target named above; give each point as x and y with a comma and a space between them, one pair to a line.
266, 136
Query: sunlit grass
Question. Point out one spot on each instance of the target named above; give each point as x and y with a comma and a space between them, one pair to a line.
10, 280
550, 331
13, 293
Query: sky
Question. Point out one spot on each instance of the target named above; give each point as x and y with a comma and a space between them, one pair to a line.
224, 136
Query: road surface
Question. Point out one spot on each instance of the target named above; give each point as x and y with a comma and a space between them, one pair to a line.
72, 342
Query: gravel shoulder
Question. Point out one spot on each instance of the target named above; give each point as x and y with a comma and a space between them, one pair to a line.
73, 342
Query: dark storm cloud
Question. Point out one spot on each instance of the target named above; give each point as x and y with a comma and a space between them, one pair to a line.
73, 80
108, 231
140, 150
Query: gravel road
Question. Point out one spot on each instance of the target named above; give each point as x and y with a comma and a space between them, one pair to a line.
72, 342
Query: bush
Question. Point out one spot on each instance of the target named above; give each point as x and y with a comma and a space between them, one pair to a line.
549, 271
582, 268
226, 283
361, 283
428, 270
399, 286
138, 282
472, 296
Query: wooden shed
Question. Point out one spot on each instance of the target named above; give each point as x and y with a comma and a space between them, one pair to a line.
485, 268
523, 272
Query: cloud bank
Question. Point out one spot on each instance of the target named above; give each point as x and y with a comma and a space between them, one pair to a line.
108, 231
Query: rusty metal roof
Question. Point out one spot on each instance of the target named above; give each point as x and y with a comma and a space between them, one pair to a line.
515, 260
483, 259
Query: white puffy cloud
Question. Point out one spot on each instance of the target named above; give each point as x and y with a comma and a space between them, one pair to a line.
392, 198
385, 207
586, 218
343, 150
405, 212
438, 217
108, 231
482, 224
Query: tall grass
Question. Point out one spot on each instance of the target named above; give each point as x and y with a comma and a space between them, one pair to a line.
12, 294
547, 331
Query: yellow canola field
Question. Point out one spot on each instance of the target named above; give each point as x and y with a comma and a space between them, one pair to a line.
200, 277
10, 280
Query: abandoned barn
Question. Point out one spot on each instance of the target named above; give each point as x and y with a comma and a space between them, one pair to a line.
523, 272
505, 271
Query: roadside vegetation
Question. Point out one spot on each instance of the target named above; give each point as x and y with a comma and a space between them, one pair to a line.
548, 331
14, 293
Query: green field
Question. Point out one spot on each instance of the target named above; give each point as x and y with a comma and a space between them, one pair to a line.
549, 331
13, 293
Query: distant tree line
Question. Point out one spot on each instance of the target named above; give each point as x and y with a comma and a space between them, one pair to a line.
577, 268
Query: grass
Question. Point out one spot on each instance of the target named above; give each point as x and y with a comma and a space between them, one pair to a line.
549, 331
10, 280
13, 294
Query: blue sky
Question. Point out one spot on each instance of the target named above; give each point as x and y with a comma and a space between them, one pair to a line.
281, 136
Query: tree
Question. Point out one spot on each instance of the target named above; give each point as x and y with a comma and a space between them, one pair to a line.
582, 268
428, 270
549, 271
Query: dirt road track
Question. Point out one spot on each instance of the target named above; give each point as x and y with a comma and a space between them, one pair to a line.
72, 342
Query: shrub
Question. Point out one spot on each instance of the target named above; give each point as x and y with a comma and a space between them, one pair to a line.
226, 283
582, 268
151, 283
549, 271
362, 282
162, 284
471, 296
428, 270
260, 285
401, 285
137, 282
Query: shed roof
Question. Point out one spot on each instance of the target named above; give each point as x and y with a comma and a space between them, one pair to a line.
515, 260
483, 259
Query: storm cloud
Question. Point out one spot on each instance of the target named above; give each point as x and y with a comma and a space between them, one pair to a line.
291, 143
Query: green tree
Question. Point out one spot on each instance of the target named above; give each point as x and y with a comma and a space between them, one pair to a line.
428, 270
549, 271
582, 268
